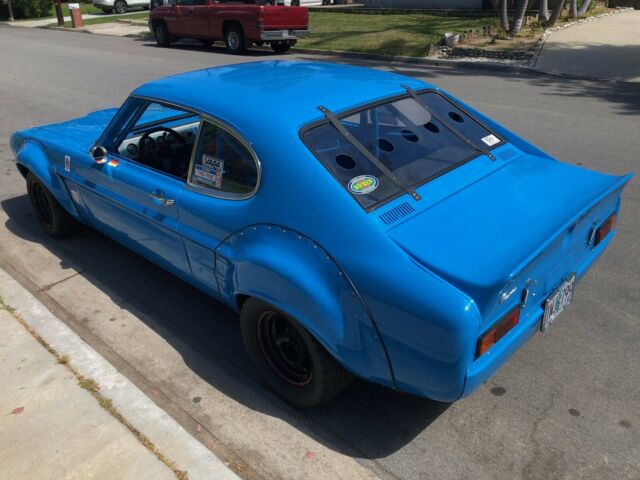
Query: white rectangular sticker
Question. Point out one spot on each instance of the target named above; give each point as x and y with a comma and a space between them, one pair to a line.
491, 140
67, 163
210, 171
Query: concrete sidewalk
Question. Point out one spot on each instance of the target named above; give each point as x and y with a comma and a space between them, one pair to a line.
43, 22
65, 412
607, 48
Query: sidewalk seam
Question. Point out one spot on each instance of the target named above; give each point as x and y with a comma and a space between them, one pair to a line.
93, 388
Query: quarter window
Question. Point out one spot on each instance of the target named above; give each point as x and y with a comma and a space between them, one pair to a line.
222, 163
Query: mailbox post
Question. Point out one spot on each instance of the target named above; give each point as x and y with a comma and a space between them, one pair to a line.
76, 15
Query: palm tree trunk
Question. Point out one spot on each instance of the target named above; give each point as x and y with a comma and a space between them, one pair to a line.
573, 6
504, 18
556, 12
518, 19
584, 7
543, 11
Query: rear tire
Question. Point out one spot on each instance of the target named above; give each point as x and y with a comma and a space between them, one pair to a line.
281, 47
163, 39
120, 7
292, 362
53, 218
234, 39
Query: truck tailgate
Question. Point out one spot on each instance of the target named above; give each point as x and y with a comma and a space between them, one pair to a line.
285, 18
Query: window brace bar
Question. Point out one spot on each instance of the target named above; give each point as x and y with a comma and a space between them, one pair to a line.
462, 137
364, 151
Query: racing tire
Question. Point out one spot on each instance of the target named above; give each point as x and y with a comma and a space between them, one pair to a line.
206, 43
293, 364
281, 47
234, 39
163, 39
52, 216
120, 7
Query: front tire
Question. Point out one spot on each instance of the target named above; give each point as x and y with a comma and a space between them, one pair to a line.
120, 7
53, 218
163, 39
234, 39
292, 362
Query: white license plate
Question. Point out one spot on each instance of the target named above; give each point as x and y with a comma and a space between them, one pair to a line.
558, 301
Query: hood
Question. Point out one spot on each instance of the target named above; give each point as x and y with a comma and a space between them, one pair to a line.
483, 236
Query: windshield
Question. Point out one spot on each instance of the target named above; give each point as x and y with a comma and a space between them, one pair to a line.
413, 143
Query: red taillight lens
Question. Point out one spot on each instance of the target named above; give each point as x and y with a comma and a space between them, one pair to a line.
509, 321
604, 229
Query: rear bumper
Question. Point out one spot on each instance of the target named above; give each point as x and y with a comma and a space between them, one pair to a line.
274, 35
485, 366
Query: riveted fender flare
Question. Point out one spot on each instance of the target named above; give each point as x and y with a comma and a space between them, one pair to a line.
33, 156
296, 275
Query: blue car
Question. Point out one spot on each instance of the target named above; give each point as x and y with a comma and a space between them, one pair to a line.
362, 223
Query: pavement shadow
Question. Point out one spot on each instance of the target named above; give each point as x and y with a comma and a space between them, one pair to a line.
365, 421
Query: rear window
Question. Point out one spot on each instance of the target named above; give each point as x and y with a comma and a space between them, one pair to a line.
406, 138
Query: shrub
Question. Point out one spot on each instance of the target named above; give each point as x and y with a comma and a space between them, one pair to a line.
27, 8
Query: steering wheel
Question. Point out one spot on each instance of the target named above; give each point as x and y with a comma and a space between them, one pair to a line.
149, 147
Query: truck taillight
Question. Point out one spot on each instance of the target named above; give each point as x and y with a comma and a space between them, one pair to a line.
604, 229
507, 322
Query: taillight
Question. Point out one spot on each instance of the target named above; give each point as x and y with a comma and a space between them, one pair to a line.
604, 229
507, 322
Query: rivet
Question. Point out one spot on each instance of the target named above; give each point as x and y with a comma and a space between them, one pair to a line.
269, 227
255, 228
315, 246
241, 233
340, 273
284, 231
299, 237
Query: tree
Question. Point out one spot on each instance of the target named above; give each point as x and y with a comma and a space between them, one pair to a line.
11, 19
543, 11
556, 12
584, 7
573, 6
504, 19
518, 19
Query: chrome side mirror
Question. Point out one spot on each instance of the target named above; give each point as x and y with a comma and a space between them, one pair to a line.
99, 154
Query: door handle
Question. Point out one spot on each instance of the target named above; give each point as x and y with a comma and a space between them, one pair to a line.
161, 200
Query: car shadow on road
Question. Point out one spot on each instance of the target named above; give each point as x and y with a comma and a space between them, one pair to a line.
365, 421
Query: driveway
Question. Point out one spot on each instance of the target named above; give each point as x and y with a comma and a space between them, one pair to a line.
605, 48
565, 406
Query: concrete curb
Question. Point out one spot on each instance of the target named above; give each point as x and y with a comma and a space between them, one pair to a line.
138, 409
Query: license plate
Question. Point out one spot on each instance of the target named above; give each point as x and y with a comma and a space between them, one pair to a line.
558, 301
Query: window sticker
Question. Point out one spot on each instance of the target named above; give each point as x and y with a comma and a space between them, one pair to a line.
209, 171
67, 163
363, 184
491, 140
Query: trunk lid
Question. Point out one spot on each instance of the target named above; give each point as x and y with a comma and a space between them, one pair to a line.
526, 223
285, 18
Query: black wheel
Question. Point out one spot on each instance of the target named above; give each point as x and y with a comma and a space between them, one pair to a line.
282, 47
120, 7
206, 43
291, 361
55, 220
163, 39
234, 39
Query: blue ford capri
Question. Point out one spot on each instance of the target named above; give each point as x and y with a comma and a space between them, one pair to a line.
362, 223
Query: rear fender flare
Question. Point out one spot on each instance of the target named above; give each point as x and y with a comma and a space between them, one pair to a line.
33, 157
296, 275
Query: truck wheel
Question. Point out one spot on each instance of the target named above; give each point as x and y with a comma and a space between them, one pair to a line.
291, 361
163, 39
234, 38
281, 47
55, 220
120, 6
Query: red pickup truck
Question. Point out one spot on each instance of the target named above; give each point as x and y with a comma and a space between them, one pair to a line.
238, 24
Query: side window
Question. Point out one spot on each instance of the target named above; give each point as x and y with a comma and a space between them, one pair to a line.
222, 163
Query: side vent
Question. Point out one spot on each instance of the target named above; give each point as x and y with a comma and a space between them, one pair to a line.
396, 213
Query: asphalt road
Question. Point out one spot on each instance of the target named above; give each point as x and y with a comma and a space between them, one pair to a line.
565, 406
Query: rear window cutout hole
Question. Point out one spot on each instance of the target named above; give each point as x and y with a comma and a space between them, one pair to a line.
385, 145
409, 136
345, 161
456, 117
432, 127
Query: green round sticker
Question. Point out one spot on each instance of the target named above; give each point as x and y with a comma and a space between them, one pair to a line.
363, 184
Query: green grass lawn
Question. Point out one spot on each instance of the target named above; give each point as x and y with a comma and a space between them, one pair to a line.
109, 19
406, 34
84, 8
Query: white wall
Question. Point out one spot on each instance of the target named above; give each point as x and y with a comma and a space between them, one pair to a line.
470, 4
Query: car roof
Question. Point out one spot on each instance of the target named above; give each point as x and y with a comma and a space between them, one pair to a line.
276, 93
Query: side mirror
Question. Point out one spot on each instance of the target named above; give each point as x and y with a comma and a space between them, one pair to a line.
99, 154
